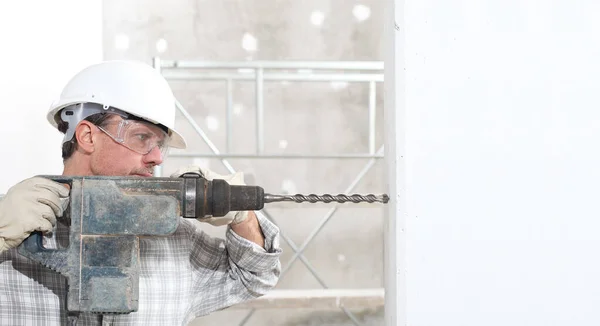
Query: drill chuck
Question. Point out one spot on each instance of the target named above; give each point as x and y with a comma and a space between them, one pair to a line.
204, 198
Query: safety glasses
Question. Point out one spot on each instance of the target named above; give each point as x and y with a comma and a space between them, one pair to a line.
138, 136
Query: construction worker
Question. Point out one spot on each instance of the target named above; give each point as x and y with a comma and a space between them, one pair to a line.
118, 120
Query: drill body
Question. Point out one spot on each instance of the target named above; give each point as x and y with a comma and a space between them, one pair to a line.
107, 217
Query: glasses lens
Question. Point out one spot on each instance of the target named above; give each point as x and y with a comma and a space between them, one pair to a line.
140, 137
143, 138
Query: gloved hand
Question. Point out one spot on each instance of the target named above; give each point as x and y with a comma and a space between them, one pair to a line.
31, 205
236, 179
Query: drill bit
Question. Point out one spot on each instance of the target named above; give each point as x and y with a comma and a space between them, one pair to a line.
327, 198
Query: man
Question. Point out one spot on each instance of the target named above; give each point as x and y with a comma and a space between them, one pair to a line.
118, 119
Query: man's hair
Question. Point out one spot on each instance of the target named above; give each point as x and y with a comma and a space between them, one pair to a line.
69, 147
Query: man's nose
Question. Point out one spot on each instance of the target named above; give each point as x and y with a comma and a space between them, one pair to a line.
154, 157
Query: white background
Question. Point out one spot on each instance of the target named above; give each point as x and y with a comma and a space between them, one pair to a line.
42, 44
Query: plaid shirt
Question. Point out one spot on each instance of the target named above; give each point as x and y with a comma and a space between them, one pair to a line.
182, 276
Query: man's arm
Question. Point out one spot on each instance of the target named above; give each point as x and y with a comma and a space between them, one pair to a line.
250, 229
233, 270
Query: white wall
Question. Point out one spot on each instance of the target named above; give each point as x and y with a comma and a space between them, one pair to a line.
42, 44
502, 130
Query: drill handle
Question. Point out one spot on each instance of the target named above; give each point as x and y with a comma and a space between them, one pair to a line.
33, 245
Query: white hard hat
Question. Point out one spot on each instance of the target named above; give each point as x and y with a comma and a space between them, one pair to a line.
130, 86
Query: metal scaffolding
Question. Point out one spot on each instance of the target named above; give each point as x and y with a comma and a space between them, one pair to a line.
261, 72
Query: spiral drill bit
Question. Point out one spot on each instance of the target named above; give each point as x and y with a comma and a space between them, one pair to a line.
327, 198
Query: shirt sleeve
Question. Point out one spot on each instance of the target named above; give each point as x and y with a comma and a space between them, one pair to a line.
233, 270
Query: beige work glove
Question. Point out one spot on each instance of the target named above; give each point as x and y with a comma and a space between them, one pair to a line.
236, 179
31, 205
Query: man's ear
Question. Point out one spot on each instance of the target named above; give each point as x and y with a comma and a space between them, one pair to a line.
84, 135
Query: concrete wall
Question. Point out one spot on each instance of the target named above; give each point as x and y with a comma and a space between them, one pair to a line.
502, 162
316, 118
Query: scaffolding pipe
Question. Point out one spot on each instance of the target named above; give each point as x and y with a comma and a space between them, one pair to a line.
372, 118
251, 76
281, 156
333, 65
229, 113
260, 129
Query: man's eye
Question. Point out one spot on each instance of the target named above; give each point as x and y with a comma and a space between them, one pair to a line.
143, 137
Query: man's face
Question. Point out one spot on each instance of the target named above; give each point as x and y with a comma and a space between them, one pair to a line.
112, 157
